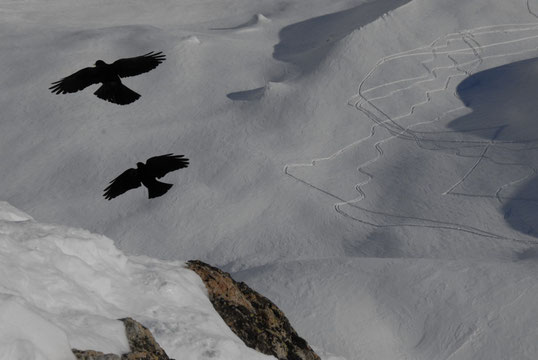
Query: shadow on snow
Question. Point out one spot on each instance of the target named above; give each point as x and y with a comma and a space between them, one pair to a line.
307, 43
505, 110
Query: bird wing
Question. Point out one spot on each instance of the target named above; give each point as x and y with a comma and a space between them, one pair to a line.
126, 181
138, 65
163, 164
77, 81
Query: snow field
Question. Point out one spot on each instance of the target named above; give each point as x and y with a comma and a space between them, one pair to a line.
428, 100
432, 309
427, 252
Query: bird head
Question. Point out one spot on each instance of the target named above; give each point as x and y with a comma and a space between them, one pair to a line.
140, 165
99, 63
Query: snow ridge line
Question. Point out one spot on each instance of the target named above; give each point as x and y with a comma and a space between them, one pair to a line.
468, 37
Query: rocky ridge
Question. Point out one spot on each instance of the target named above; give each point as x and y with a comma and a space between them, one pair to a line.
257, 321
252, 317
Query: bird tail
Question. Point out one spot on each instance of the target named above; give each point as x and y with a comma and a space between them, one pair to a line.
157, 189
116, 93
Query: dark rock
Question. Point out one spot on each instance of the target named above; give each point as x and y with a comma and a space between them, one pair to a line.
141, 342
94, 355
252, 317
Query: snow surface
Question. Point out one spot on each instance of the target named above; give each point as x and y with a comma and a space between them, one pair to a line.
64, 288
370, 166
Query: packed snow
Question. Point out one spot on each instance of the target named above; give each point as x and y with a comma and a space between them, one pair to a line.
370, 166
64, 288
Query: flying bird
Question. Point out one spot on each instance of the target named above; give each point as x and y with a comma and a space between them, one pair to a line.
146, 174
110, 76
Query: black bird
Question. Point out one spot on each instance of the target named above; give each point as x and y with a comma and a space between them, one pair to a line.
109, 75
146, 174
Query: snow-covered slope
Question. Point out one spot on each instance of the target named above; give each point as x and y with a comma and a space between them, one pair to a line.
64, 288
409, 308
379, 134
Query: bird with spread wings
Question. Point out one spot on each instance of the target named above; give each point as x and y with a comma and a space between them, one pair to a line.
109, 75
146, 174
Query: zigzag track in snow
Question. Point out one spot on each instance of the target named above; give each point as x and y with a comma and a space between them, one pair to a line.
360, 101
480, 60
413, 136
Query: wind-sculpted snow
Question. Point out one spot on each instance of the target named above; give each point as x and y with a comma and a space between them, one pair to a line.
504, 112
256, 21
421, 124
306, 44
521, 209
64, 288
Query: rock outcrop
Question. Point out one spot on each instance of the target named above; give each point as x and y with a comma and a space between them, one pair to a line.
94, 355
143, 345
141, 342
252, 317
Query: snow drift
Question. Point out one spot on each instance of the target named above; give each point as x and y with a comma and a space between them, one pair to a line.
64, 288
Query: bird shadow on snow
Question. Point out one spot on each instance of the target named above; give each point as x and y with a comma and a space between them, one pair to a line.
503, 100
307, 43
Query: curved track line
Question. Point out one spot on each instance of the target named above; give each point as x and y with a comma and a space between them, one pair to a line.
530, 10
469, 172
480, 60
410, 53
473, 48
414, 137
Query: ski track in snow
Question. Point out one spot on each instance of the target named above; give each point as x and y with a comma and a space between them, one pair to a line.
471, 46
529, 9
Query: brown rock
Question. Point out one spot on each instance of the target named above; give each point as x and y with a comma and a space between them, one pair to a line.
143, 345
94, 355
251, 316
141, 342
